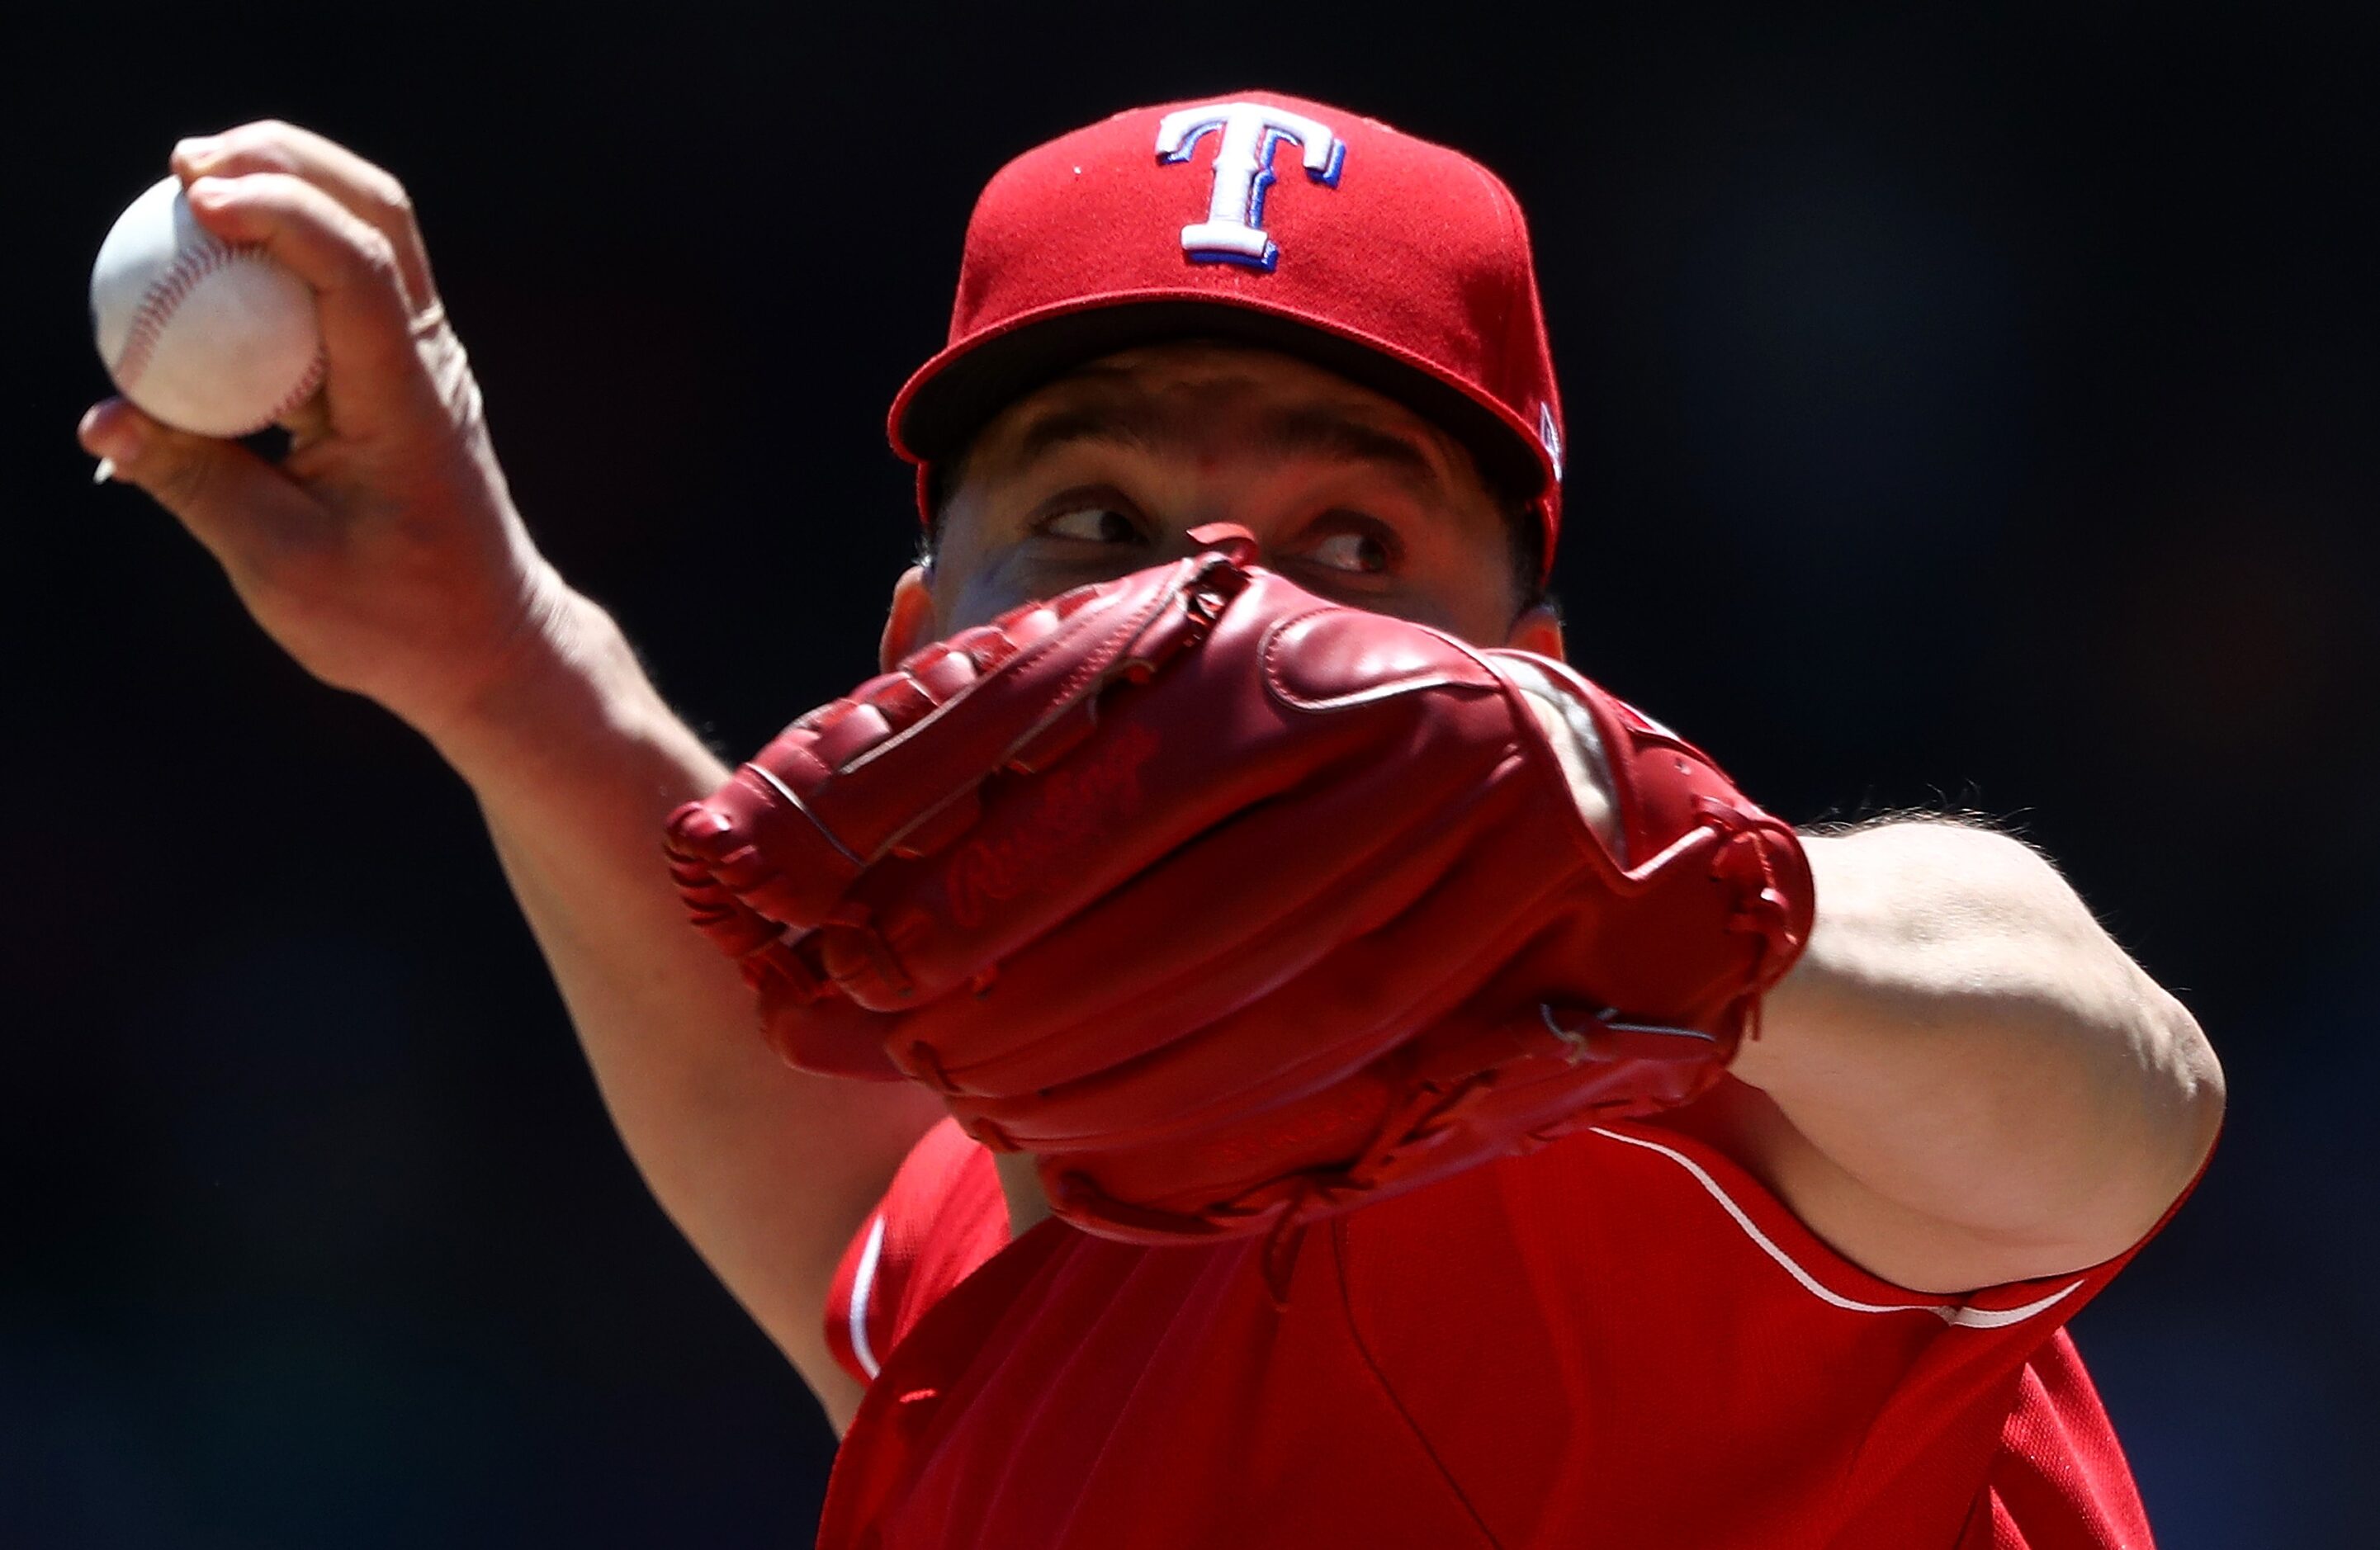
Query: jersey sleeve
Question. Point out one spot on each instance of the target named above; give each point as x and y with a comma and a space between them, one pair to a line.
943, 1215
1628, 1295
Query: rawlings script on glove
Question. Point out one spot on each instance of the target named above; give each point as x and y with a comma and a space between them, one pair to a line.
1236, 907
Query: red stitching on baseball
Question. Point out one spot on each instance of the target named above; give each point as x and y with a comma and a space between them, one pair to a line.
316, 369
167, 293
158, 302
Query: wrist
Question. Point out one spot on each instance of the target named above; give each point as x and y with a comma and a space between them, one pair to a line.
566, 678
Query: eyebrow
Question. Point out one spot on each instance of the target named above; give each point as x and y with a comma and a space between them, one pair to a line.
1141, 425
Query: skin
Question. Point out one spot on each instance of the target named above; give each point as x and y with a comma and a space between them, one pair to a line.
1105, 472
1964, 1081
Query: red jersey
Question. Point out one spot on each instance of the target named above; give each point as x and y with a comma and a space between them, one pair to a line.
1619, 1340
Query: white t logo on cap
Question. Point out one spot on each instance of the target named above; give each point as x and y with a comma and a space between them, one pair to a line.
1233, 230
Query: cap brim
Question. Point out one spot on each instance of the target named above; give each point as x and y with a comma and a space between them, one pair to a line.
954, 396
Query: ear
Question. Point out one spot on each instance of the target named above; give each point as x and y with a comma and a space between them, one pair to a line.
1538, 631
910, 623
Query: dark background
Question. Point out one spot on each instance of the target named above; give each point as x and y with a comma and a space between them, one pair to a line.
1966, 409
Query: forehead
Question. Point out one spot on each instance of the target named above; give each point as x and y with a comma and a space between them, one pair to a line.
1190, 387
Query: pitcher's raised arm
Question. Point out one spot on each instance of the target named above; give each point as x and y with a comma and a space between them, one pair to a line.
386, 556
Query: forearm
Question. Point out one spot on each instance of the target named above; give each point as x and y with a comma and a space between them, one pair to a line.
1964, 1042
576, 762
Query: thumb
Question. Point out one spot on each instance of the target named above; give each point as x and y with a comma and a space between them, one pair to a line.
229, 498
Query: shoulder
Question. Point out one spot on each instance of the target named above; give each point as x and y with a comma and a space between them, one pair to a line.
1631, 1284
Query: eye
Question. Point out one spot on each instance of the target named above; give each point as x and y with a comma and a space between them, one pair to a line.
1092, 525
1359, 551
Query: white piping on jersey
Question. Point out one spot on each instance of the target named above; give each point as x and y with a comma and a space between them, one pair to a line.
863, 1280
1948, 1313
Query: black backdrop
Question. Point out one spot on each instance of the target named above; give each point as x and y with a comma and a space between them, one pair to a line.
1970, 409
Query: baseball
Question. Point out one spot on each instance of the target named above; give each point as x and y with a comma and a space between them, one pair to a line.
202, 335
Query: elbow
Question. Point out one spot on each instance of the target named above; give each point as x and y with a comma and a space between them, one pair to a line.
2148, 1147
2199, 1090
2184, 1084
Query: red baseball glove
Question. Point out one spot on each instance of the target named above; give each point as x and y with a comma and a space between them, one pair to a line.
1236, 907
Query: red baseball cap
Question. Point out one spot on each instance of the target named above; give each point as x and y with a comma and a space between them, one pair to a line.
1267, 220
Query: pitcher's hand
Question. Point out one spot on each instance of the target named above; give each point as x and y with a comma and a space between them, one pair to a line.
383, 552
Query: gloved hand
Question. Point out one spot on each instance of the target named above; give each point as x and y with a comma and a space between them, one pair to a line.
1236, 907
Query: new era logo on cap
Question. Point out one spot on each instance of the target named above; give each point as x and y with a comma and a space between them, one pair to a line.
1398, 264
1233, 230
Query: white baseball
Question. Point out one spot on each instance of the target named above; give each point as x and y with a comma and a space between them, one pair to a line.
212, 338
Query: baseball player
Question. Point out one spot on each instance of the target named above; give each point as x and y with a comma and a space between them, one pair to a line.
1255, 1050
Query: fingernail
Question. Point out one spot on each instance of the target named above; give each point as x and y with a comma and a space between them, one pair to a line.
195, 148
104, 472
211, 193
